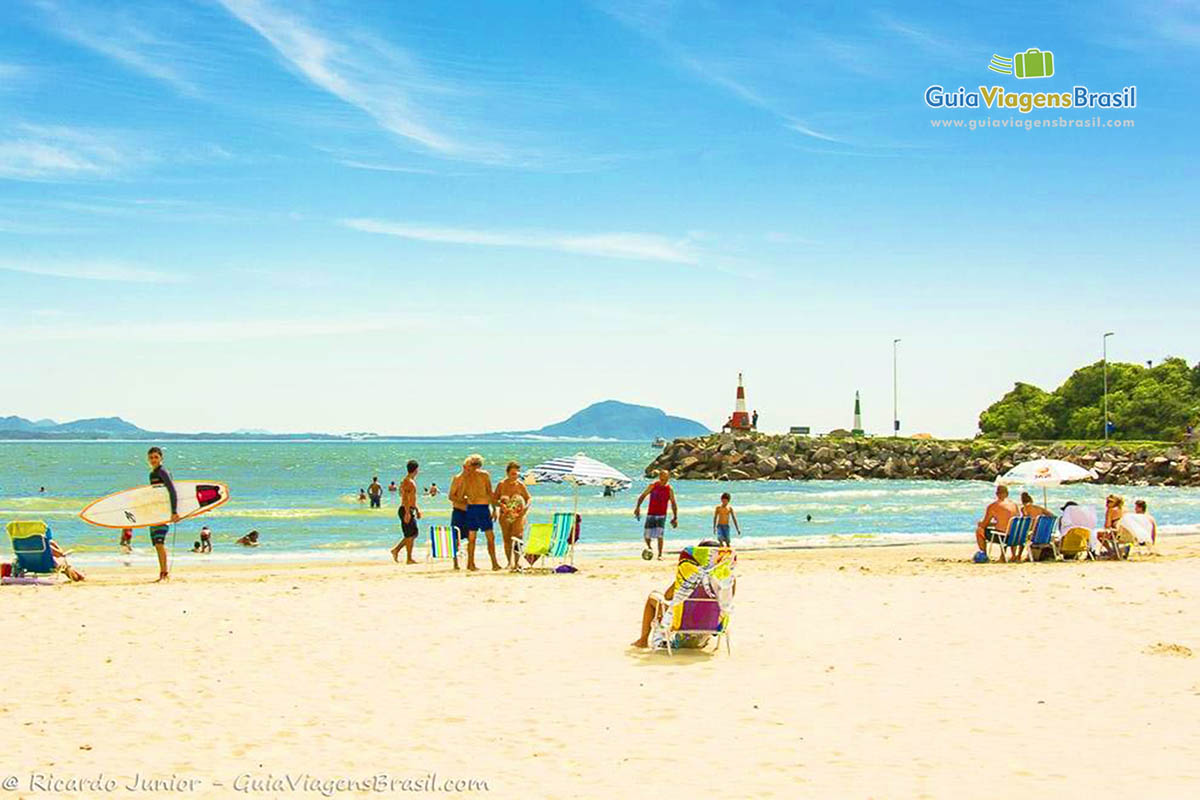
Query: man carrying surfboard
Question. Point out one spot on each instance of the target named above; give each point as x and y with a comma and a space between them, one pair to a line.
158, 533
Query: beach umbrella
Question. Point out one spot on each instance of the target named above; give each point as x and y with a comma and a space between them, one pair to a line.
1045, 472
578, 470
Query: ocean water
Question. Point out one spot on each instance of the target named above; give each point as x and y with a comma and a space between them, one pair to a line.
302, 498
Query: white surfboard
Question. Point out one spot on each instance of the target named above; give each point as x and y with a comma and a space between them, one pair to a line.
144, 506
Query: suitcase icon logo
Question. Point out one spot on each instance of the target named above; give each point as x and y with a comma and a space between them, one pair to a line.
1033, 63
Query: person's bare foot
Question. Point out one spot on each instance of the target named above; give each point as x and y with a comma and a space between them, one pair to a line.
472, 568
642, 643
163, 577
396, 554
410, 561
495, 567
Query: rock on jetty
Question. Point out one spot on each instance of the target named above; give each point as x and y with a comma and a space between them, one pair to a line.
758, 456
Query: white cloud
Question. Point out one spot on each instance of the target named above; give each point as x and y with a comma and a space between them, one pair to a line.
386, 83
203, 331
91, 271
637, 246
110, 32
49, 152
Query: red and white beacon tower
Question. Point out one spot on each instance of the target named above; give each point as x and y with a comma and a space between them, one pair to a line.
740, 421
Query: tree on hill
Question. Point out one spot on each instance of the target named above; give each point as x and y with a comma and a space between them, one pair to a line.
1157, 402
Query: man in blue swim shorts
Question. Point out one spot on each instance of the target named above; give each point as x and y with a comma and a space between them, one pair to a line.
473, 488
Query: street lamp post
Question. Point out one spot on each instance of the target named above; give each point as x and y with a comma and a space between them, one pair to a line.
895, 392
1104, 346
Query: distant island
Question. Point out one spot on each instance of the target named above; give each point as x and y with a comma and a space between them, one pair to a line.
608, 419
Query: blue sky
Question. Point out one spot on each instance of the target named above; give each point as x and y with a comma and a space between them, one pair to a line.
432, 217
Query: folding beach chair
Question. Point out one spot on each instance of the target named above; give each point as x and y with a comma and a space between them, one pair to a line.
701, 603
536, 544
1015, 536
31, 550
1041, 542
1075, 542
443, 543
1133, 530
562, 542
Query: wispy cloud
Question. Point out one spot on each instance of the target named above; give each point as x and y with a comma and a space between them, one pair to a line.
205, 331
91, 271
48, 152
111, 32
385, 82
637, 246
807, 131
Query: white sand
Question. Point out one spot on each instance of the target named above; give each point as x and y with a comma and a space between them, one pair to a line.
882, 672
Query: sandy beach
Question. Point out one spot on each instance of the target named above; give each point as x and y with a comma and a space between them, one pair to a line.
866, 672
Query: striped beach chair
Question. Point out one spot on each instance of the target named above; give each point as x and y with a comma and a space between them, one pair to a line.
1015, 536
1041, 541
701, 603
566, 531
443, 543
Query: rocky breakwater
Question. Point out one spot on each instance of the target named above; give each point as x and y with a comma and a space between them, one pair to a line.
757, 456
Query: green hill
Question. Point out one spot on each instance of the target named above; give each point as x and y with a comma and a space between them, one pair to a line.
1144, 403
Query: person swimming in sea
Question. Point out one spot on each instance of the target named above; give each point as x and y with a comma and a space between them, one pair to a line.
249, 540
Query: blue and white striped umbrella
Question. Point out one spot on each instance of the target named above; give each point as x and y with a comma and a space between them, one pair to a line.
579, 470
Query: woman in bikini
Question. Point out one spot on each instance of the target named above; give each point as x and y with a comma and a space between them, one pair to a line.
513, 500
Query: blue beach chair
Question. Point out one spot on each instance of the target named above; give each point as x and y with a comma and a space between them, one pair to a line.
1041, 542
31, 548
1015, 536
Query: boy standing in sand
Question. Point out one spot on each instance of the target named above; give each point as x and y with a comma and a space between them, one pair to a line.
661, 494
158, 533
409, 514
722, 515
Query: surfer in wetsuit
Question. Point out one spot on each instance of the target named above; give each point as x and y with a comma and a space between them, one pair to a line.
158, 533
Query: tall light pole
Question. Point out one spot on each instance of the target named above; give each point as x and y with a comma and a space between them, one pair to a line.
895, 393
1104, 345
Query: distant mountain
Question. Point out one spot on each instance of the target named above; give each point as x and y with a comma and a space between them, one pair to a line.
611, 419
112, 426
117, 428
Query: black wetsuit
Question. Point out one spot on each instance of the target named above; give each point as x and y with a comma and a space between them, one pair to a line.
160, 477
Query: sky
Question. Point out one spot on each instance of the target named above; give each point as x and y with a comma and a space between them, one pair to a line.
446, 217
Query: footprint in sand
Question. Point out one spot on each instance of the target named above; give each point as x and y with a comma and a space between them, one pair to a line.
1169, 649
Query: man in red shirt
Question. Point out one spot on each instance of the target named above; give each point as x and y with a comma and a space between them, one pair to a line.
661, 494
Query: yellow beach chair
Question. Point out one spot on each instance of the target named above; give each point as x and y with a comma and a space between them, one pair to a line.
535, 545
1074, 542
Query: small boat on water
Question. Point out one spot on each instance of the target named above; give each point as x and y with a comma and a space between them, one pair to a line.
659, 442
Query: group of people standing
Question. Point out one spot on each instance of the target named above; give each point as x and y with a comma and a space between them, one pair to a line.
476, 506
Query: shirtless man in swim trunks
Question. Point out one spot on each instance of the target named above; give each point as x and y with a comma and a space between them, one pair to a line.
474, 493
409, 514
513, 500
995, 520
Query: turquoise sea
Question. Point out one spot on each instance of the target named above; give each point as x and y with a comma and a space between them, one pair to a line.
302, 497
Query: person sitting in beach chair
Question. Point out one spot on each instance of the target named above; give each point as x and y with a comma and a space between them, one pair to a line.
37, 553
994, 525
1114, 509
696, 607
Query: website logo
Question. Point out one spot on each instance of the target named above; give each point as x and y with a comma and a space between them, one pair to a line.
1033, 63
